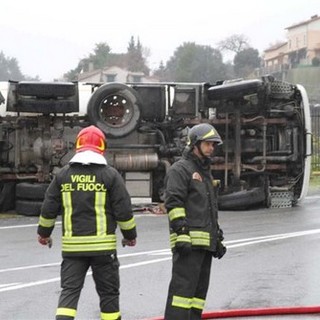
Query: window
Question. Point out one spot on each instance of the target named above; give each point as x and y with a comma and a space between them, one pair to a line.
110, 77
136, 78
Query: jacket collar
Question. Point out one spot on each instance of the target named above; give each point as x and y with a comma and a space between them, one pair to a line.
202, 163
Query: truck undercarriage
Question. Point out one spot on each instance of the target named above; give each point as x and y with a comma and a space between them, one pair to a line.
264, 125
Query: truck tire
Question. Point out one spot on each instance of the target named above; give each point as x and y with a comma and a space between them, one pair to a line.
115, 109
46, 89
7, 196
28, 208
158, 186
47, 106
242, 200
31, 191
43, 97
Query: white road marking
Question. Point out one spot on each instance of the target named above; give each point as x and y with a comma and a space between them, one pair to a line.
152, 252
9, 284
135, 215
271, 238
35, 266
37, 283
34, 225
25, 226
277, 236
163, 253
30, 267
143, 263
29, 284
230, 244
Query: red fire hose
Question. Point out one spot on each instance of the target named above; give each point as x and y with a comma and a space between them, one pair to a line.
256, 312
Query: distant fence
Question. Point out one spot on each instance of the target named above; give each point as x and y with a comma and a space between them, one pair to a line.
315, 127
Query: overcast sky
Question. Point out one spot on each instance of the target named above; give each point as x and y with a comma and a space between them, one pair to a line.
48, 38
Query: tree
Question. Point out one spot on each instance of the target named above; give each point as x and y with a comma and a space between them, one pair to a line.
160, 73
195, 63
72, 75
235, 43
136, 61
96, 60
9, 69
100, 57
246, 61
316, 62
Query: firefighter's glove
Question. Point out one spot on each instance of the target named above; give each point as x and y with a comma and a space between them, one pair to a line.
183, 243
129, 243
220, 236
45, 241
220, 250
179, 226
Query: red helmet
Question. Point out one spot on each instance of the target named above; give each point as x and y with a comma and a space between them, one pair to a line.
91, 138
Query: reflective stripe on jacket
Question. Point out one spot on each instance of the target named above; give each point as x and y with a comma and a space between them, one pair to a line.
93, 200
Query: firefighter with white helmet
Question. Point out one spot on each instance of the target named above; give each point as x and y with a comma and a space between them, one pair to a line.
195, 234
93, 200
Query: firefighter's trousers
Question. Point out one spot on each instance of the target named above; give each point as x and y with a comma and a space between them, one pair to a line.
189, 285
105, 272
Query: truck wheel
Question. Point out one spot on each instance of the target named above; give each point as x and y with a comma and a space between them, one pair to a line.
43, 97
7, 198
115, 109
31, 191
46, 89
242, 199
28, 208
158, 186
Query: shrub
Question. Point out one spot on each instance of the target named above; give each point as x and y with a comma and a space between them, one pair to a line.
316, 62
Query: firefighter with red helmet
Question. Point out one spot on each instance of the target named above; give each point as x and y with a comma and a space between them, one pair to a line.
195, 234
93, 201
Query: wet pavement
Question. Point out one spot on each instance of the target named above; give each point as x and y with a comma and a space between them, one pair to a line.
272, 261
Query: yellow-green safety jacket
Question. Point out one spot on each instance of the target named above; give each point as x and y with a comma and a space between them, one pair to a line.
93, 200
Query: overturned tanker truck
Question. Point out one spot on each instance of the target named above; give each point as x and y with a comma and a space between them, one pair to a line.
264, 124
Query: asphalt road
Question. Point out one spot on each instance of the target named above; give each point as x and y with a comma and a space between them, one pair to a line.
272, 261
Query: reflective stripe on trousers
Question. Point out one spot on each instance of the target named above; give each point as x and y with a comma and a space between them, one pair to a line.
105, 272
189, 285
188, 303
